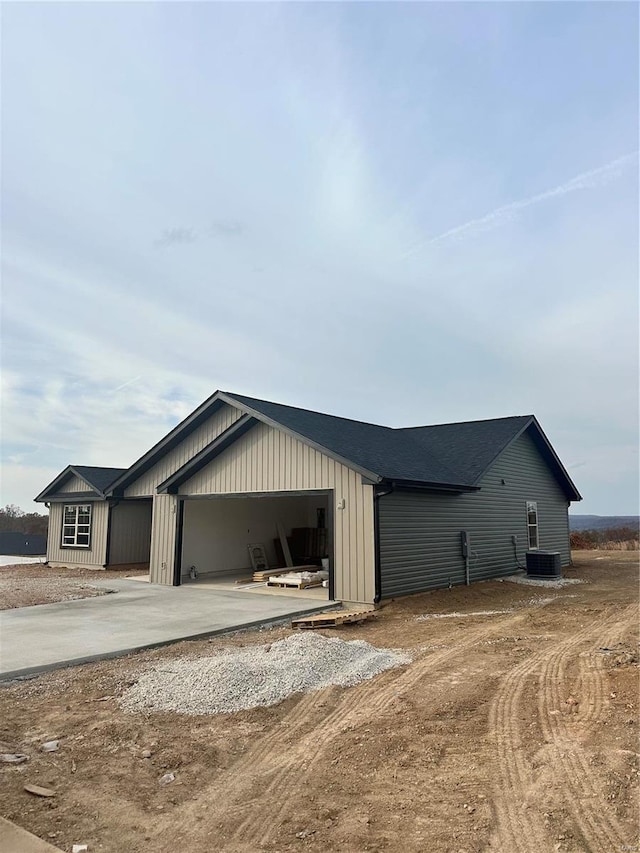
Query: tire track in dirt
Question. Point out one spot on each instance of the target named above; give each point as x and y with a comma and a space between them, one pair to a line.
518, 829
600, 829
284, 755
364, 702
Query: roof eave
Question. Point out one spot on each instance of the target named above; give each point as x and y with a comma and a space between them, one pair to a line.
370, 475
575, 494
45, 495
424, 485
206, 455
166, 443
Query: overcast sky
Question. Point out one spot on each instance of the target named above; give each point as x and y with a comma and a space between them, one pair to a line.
406, 214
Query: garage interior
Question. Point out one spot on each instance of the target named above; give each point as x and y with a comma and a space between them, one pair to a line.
275, 544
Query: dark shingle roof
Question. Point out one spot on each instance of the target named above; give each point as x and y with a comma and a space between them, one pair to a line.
99, 478
448, 454
469, 447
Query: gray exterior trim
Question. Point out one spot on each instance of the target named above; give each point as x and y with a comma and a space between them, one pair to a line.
171, 440
74, 497
231, 401
420, 546
68, 472
172, 484
547, 451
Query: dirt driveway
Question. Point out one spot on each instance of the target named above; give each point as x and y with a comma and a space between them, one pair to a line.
513, 732
26, 584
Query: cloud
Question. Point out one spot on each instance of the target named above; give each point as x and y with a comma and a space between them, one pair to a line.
226, 228
175, 237
600, 177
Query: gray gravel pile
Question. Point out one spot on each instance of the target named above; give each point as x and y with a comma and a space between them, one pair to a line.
254, 676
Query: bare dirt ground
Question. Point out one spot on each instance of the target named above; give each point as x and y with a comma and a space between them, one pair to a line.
26, 584
515, 732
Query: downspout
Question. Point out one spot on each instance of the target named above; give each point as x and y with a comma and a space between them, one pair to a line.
107, 554
377, 494
48, 506
177, 557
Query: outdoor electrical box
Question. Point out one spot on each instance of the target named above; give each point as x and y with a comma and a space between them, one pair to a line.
464, 541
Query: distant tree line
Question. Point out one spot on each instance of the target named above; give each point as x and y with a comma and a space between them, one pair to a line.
15, 520
612, 538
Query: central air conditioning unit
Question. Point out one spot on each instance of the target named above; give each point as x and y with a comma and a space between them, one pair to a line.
544, 564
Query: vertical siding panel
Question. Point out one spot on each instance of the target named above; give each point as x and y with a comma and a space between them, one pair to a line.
93, 557
269, 460
163, 539
130, 536
221, 420
75, 484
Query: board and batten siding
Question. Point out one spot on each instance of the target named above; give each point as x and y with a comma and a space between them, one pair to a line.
203, 435
130, 534
93, 557
74, 484
164, 529
420, 544
266, 459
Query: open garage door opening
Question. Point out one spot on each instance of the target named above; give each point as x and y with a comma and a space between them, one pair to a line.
277, 544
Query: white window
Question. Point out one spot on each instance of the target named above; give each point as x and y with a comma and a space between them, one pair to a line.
76, 526
532, 524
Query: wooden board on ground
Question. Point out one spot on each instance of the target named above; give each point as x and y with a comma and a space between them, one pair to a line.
294, 583
265, 575
332, 618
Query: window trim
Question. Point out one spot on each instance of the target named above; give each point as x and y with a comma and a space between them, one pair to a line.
76, 525
536, 526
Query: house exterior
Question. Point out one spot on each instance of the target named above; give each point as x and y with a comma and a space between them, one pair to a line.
405, 509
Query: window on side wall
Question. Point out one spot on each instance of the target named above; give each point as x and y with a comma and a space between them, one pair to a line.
532, 524
76, 526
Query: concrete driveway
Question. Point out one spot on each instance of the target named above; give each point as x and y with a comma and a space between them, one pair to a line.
137, 616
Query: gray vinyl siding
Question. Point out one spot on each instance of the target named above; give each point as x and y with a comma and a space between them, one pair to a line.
130, 534
93, 557
420, 532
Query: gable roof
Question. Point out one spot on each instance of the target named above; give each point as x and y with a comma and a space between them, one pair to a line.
446, 456
97, 480
380, 452
170, 440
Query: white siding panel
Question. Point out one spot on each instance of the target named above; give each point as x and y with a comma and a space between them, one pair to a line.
269, 460
220, 421
93, 557
163, 539
75, 484
130, 536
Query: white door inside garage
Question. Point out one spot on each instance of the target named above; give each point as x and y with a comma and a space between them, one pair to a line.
217, 533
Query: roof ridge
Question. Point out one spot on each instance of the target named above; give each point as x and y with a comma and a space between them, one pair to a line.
310, 411
101, 467
461, 423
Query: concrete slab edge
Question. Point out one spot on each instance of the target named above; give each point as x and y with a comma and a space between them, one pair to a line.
15, 839
32, 671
